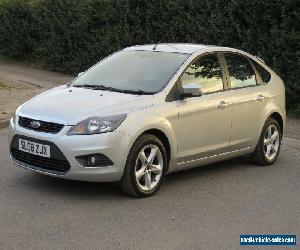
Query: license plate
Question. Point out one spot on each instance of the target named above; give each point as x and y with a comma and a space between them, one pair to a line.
34, 148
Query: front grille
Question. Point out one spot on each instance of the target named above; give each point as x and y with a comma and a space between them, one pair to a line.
47, 127
57, 164
41, 163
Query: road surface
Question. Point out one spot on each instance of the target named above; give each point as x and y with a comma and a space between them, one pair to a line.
204, 208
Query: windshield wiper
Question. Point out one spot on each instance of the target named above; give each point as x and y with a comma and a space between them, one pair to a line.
96, 87
137, 92
103, 87
89, 86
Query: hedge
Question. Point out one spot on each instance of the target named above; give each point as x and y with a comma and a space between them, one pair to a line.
69, 36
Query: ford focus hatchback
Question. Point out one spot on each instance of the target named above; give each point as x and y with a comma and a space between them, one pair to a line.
146, 111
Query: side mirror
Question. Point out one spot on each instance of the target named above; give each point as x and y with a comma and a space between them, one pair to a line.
191, 90
79, 74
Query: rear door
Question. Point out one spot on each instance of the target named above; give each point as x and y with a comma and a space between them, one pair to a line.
248, 100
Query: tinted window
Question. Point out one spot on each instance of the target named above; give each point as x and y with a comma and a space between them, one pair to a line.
134, 70
264, 74
240, 71
206, 72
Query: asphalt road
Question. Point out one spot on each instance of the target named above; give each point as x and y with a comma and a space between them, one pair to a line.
204, 208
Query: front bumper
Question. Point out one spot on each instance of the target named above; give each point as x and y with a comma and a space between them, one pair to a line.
114, 145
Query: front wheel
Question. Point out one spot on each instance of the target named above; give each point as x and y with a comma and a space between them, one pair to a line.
145, 167
268, 147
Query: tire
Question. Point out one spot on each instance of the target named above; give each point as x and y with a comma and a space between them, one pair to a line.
141, 178
260, 155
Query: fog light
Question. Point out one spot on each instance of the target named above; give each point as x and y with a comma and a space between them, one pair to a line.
94, 160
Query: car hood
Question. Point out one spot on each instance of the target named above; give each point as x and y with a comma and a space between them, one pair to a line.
69, 105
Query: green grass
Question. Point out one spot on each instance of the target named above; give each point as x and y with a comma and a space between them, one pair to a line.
4, 86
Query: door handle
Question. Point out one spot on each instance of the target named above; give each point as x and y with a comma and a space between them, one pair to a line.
223, 105
260, 98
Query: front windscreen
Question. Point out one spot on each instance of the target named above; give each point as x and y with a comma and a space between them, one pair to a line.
147, 71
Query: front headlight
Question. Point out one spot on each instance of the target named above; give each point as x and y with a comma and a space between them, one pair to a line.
97, 125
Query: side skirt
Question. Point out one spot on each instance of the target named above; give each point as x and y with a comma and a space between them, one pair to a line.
211, 159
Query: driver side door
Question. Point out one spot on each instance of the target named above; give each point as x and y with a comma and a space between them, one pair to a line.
204, 123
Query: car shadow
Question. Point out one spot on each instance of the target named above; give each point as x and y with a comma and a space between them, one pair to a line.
110, 191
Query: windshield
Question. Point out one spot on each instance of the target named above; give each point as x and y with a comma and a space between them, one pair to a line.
142, 71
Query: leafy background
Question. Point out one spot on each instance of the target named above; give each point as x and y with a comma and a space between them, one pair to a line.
69, 36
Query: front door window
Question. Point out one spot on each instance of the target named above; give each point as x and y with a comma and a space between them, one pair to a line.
205, 72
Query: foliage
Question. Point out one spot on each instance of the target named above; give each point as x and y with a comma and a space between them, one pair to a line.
69, 36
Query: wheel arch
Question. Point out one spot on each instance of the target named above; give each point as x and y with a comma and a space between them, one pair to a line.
277, 116
158, 126
163, 138
272, 109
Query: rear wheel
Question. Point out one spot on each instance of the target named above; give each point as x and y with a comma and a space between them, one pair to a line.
268, 147
145, 167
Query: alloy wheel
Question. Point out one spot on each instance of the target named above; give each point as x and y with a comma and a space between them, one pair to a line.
149, 167
271, 142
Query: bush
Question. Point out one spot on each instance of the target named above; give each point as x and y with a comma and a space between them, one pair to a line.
69, 36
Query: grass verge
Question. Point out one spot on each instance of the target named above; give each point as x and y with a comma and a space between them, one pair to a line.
4, 86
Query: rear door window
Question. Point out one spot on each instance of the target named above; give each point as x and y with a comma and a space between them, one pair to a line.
240, 70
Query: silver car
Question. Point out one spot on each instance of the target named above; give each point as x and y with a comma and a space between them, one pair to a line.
146, 111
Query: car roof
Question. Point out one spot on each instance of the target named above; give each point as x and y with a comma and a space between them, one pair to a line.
172, 47
188, 48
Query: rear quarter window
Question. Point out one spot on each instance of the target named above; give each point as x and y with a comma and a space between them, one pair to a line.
264, 74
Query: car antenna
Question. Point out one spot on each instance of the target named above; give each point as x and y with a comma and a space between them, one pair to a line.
154, 48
